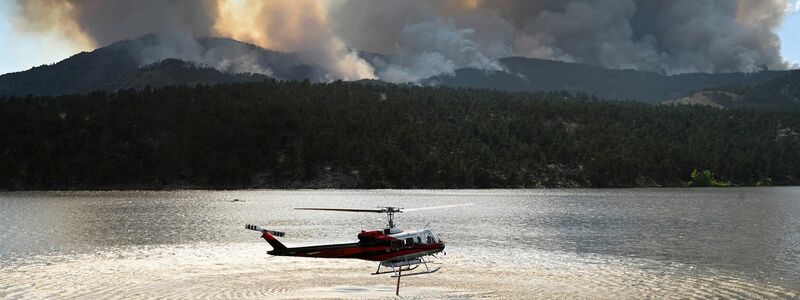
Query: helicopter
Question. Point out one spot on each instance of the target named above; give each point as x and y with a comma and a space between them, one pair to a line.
399, 252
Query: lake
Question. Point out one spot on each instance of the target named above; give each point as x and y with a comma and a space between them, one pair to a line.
544, 243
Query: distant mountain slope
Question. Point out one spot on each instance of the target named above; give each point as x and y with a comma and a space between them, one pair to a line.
172, 72
779, 93
525, 74
127, 64
716, 99
82, 72
137, 63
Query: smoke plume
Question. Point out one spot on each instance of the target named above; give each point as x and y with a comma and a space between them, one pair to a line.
297, 25
419, 38
674, 36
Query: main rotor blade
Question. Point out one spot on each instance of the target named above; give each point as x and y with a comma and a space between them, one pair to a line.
342, 209
438, 207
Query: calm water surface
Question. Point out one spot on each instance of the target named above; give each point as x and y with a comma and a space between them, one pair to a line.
631, 243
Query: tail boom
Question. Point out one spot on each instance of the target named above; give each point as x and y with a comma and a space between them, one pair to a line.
269, 236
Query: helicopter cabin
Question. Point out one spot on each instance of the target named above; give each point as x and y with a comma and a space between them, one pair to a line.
416, 237
398, 240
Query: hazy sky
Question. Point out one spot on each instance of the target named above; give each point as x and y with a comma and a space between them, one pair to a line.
21, 51
790, 34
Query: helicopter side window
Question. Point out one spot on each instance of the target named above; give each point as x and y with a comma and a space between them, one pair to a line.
410, 242
430, 240
419, 240
397, 244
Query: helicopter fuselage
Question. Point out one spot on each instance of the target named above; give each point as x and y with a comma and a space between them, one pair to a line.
400, 251
378, 245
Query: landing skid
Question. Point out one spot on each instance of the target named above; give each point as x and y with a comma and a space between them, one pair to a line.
398, 267
378, 272
418, 273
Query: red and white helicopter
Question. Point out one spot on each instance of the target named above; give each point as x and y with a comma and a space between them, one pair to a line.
402, 251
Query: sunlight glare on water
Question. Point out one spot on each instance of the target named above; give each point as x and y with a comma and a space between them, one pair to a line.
630, 243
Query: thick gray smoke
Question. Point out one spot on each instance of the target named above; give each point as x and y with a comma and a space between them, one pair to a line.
104, 23
673, 36
297, 26
108, 21
226, 57
177, 23
435, 47
421, 38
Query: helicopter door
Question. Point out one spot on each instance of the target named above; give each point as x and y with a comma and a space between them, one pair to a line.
397, 244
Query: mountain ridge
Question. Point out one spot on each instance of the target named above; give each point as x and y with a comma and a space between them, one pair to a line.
778, 93
118, 65
108, 68
532, 75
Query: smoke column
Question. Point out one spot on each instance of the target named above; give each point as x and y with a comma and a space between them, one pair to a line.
296, 25
425, 38
673, 36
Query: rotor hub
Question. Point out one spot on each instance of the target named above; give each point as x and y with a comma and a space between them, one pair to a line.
390, 211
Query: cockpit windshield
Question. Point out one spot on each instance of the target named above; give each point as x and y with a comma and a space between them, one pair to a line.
430, 238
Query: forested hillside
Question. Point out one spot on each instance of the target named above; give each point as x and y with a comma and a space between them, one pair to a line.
299, 134
144, 62
533, 75
776, 94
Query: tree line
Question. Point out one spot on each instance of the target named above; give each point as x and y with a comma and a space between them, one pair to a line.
276, 134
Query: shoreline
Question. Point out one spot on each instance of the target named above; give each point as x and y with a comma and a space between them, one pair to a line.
189, 188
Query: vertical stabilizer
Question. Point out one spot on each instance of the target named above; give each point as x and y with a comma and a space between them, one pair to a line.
269, 236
